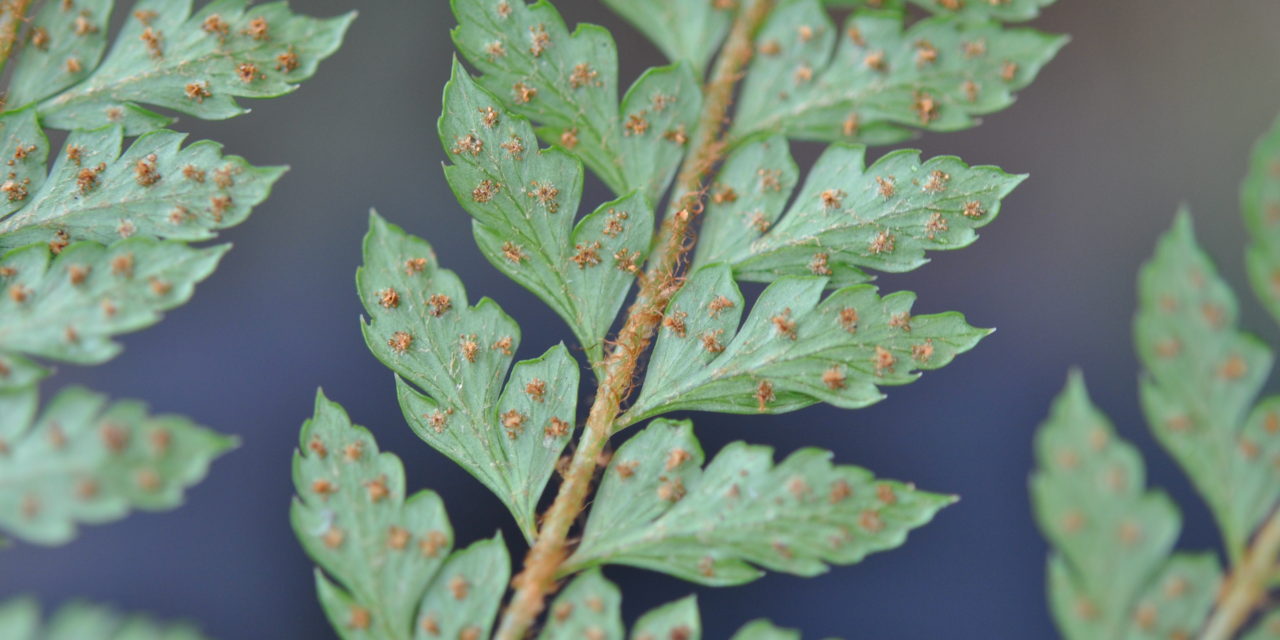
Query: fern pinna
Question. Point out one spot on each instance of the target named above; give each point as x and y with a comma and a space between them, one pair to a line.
104, 240
1113, 572
705, 140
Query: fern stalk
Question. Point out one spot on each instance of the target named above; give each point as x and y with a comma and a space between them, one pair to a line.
537, 579
1246, 588
13, 13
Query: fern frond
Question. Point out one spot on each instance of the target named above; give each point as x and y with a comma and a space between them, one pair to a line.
165, 56
421, 326
20, 620
86, 461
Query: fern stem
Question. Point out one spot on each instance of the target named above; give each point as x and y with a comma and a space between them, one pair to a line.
537, 579
1246, 587
13, 13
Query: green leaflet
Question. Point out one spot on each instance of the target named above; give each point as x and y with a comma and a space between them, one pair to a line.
388, 552
86, 461
20, 620
765, 630
685, 31
847, 217
678, 619
794, 349
657, 508
1003, 10
463, 601
69, 306
421, 326
166, 57
524, 200
590, 607
1260, 200
17, 372
64, 46
882, 83
1202, 376
1266, 629
155, 188
568, 84
1111, 576
25, 145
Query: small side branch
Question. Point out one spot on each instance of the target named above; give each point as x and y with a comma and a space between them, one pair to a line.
537, 580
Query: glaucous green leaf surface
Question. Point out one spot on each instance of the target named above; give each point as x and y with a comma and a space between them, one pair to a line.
847, 217
877, 81
1003, 10
1110, 576
451, 359
84, 460
25, 150
678, 619
590, 607
65, 44
568, 85
155, 188
69, 306
524, 200
20, 620
689, 31
765, 630
464, 598
388, 552
1202, 376
658, 508
1260, 198
1268, 628
17, 372
794, 349
165, 56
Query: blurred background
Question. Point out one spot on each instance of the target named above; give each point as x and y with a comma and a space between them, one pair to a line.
1153, 104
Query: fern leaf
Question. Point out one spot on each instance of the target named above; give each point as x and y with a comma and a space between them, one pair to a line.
86, 461
65, 45
68, 307
154, 188
422, 327
689, 32
165, 56
568, 84
20, 620
1111, 575
878, 82
678, 619
1260, 200
590, 607
387, 551
463, 600
1003, 10
26, 147
17, 372
657, 508
523, 201
1202, 375
765, 630
847, 217
793, 350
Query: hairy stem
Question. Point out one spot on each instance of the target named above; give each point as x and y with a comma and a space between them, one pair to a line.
537, 579
1246, 587
13, 13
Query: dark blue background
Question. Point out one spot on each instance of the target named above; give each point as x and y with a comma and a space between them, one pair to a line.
1154, 103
